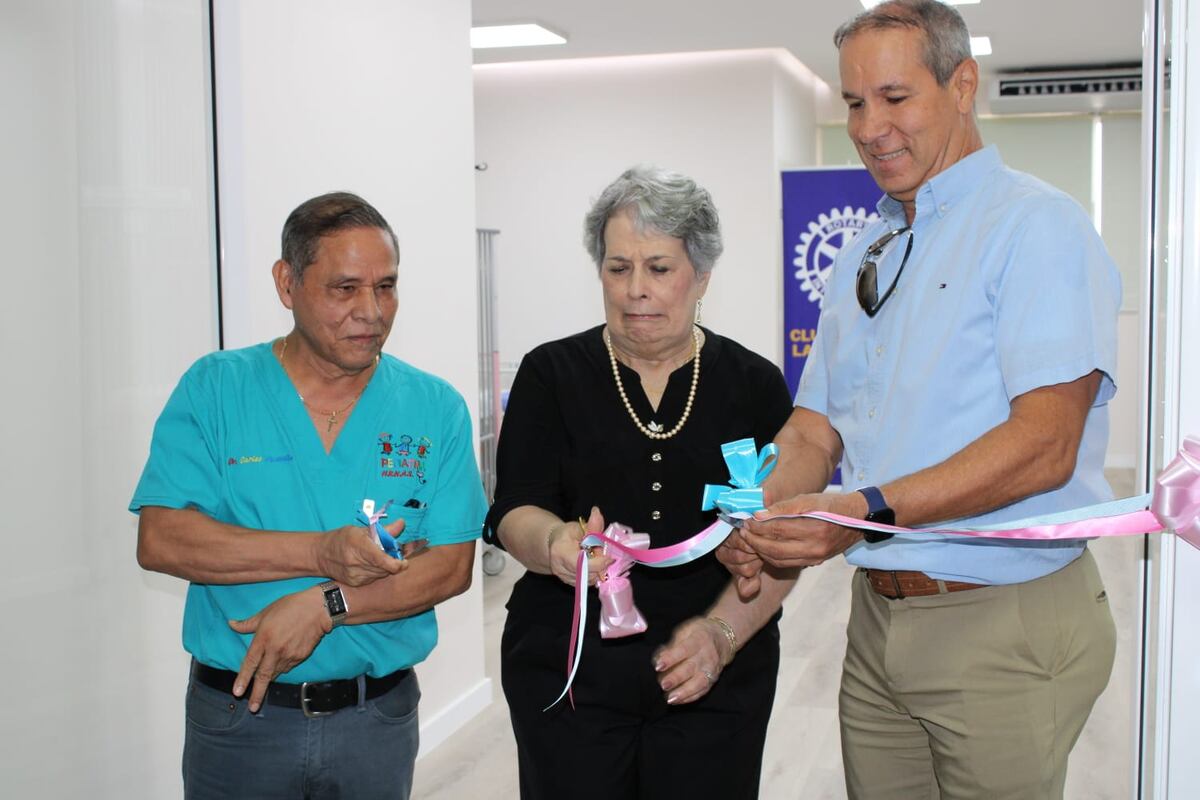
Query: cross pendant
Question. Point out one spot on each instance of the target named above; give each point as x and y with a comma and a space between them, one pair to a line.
332, 421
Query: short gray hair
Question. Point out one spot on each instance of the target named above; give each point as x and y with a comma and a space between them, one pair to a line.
323, 216
665, 201
947, 41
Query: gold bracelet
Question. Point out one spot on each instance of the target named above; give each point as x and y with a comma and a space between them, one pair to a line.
730, 636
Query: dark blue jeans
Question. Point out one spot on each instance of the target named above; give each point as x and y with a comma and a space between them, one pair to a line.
361, 752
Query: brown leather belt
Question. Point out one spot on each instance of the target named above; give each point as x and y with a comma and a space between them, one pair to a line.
898, 584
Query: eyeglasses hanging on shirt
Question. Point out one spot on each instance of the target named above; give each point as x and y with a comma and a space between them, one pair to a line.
867, 284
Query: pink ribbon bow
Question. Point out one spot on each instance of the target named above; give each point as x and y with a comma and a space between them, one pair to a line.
1176, 500
618, 615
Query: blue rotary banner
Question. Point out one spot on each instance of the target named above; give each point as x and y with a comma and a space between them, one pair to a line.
823, 209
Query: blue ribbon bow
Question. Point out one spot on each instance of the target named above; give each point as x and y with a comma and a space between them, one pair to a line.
747, 470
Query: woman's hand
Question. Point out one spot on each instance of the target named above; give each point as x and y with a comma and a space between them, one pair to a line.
691, 662
562, 542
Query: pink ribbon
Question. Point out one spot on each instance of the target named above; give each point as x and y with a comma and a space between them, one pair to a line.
1174, 505
1176, 501
618, 615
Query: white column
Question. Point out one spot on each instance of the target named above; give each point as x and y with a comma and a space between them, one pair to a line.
108, 297
1177, 726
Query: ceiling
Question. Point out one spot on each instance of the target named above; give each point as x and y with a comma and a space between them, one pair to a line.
1024, 33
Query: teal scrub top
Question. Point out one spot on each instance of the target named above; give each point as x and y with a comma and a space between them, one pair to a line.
236, 443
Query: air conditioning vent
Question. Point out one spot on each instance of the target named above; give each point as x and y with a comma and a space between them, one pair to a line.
1067, 90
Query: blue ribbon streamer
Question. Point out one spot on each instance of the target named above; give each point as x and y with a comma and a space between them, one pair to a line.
748, 468
390, 544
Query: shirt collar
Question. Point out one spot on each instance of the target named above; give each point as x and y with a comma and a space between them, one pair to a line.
943, 191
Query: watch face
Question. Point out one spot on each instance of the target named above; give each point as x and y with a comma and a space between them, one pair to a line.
335, 602
884, 516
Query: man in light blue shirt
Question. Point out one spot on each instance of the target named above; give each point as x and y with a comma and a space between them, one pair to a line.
960, 373
302, 629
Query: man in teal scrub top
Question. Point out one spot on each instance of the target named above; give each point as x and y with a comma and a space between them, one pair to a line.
303, 630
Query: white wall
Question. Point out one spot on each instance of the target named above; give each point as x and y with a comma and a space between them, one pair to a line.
555, 133
374, 97
108, 297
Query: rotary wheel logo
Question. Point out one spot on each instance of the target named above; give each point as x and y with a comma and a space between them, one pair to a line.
820, 244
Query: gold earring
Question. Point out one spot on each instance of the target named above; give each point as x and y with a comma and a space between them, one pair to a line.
699, 304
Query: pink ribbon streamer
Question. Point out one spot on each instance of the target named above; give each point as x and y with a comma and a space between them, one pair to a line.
1174, 505
1119, 525
672, 555
623, 545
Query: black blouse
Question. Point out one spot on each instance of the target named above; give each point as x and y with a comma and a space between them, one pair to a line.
567, 443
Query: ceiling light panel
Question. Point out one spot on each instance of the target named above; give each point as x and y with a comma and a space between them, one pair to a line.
524, 35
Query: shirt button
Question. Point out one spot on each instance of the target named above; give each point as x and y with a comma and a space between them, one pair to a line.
655, 515
871, 414
656, 456
943, 208
861, 475
656, 486
879, 350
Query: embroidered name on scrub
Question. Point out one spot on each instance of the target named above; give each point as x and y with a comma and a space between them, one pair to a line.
234, 461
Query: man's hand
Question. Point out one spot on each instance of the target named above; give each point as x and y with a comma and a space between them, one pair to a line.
691, 662
351, 556
741, 560
804, 542
563, 545
285, 633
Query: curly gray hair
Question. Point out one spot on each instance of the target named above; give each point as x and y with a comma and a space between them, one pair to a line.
947, 42
662, 200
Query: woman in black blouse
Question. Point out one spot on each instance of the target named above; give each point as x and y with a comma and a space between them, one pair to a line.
624, 422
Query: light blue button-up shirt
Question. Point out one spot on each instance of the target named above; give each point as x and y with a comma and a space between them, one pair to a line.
1008, 288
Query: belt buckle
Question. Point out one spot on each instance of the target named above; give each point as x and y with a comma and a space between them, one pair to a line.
304, 701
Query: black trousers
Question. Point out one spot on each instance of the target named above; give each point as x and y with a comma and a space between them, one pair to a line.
622, 740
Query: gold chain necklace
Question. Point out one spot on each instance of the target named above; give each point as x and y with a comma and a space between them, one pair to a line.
331, 417
654, 430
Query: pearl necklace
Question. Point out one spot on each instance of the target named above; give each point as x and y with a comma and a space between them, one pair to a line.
655, 430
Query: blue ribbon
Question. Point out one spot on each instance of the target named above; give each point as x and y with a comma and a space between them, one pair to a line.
748, 468
390, 544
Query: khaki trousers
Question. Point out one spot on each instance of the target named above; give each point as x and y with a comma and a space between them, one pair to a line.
973, 694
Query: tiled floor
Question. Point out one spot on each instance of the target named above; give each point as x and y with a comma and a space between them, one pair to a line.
802, 758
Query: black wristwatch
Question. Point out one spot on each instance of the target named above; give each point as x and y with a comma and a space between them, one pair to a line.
877, 511
335, 602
